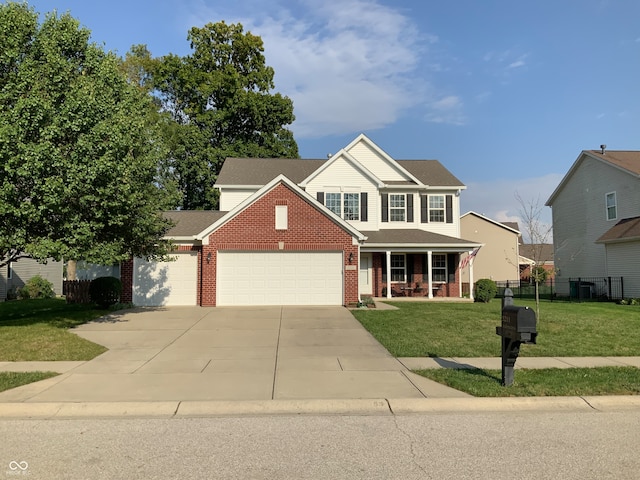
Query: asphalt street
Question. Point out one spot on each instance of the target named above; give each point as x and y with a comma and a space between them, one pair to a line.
534, 445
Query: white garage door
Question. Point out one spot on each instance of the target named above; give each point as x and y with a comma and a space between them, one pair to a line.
166, 283
279, 278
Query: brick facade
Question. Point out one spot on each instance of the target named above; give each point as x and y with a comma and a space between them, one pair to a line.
254, 229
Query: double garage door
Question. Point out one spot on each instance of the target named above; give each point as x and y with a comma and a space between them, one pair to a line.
279, 278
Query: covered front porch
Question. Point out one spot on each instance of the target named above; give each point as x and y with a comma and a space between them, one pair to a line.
412, 264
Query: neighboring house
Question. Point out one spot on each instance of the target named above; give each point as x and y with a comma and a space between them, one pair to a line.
498, 258
15, 274
292, 231
536, 253
595, 210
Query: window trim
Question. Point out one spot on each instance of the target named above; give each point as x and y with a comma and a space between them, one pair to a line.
341, 195
614, 206
282, 217
404, 267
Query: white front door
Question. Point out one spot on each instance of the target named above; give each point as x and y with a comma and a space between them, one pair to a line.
365, 274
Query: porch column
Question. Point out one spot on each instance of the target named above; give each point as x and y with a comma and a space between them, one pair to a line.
388, 253
429, 272
471, 279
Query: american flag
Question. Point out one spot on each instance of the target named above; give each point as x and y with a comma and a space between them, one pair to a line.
467, 260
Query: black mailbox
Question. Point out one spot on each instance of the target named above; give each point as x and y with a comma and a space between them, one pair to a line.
518, 323
518, 326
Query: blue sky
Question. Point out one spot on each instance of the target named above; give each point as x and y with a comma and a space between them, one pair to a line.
505, 93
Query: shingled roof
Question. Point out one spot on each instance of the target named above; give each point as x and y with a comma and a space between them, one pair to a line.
260, 171
627, 229
191, 222
627, 159
411, 236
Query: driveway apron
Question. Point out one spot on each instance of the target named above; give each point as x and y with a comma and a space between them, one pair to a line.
231, 353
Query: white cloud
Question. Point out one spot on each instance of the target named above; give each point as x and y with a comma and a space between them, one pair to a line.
348, 66
448, 109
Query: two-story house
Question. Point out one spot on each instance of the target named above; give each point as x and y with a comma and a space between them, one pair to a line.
596, 220
316, 232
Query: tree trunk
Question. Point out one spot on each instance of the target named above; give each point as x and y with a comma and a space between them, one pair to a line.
71, 269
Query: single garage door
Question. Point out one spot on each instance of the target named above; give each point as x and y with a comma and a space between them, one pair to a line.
166, 283
279, 278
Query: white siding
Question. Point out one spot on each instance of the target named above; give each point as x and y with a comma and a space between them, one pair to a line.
90, 271
579, 216
229, 199
375, 163
619, 264
341, 175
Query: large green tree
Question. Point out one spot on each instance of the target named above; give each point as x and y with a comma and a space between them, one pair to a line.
78, 154
220, 102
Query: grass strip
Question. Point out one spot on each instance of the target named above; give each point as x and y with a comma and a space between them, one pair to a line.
540, 382
10, 380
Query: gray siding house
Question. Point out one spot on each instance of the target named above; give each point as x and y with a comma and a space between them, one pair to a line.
595, 228
16, 274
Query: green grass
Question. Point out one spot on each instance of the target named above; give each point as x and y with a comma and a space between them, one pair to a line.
37, 330
16, 379
422, 329
543, 382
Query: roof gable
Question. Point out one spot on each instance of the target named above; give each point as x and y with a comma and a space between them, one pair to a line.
627, 161
488, 220
342, 155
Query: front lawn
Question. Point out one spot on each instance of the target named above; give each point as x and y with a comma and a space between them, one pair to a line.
421, 329
37, 330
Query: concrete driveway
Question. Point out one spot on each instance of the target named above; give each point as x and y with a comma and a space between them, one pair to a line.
231, 353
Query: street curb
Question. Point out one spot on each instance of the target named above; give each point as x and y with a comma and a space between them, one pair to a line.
379, 407
285, 407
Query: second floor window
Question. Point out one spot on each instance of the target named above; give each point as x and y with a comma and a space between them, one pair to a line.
351, 206
612, 206
333, 201
397, 207
345, 205
436, 208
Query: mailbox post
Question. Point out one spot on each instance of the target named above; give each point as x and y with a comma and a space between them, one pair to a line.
518, 327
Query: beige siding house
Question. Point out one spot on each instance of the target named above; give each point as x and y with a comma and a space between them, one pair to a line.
600, 191
498, 258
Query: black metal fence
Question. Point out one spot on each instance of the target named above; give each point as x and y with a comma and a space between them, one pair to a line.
585, 289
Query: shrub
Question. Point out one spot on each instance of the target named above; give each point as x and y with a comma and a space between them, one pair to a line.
485, 290
36, 287
105, 291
